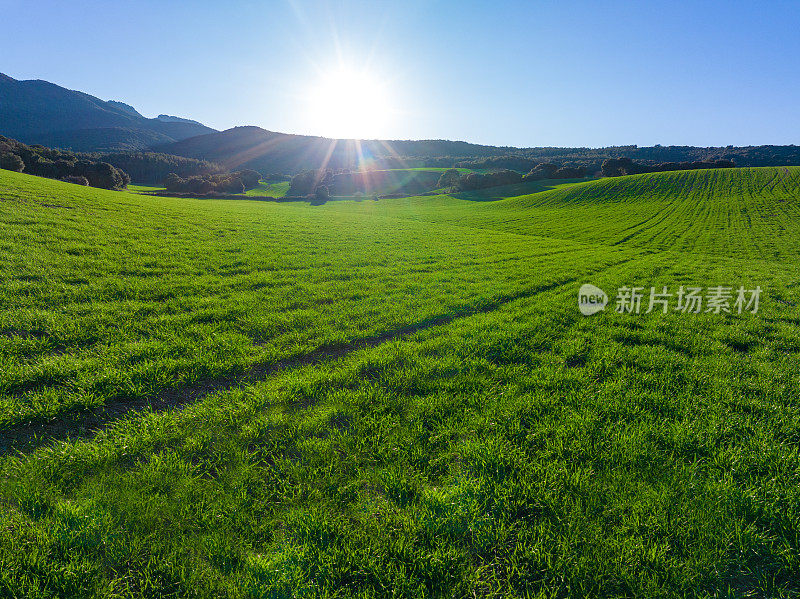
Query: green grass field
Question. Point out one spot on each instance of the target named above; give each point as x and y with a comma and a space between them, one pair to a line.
432, 169
399, 398
144, 188
276, 189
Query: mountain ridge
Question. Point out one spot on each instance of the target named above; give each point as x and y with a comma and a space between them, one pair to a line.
35, 111
249, 146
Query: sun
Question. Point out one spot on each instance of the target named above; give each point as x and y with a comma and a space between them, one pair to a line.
346, 103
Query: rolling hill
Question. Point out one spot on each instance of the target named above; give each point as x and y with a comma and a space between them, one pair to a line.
240, 398
39, 112
748, 212
271, 152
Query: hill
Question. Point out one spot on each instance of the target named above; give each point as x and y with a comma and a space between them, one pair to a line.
268, 151
748, 212
39, 112
240, 398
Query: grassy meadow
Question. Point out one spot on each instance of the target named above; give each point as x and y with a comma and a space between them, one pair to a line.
399, 398
275, 189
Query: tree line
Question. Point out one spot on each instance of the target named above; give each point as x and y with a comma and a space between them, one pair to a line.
591, 159
525, 159
60, 164
236, 182
453, 179
616, 167
152, 168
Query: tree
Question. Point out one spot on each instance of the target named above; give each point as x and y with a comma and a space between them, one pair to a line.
502, 177
229, 184
570, 172
611, 168
249, 178
471, 181
12, 162
199, 185
543, 170
101, 174
173, 182
321, 194
302, 183
449, 178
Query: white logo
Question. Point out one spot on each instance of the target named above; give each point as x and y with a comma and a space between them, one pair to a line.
719, 299
591, 300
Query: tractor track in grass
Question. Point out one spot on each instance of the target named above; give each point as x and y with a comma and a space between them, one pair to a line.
85, 424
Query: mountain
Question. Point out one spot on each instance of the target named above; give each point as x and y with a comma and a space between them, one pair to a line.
39, 112
268, 151
125, 107
165, 118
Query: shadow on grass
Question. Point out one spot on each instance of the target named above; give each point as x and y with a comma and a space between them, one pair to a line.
492, 194
85, 424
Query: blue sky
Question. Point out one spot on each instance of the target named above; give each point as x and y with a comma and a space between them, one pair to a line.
536, 73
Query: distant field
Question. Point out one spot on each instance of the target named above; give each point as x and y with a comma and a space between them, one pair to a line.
391, 186
276, 190
518, 189
431, 169
384, 182
245, 399
144, 188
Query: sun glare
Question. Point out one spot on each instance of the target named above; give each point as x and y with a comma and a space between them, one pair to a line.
349, 104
